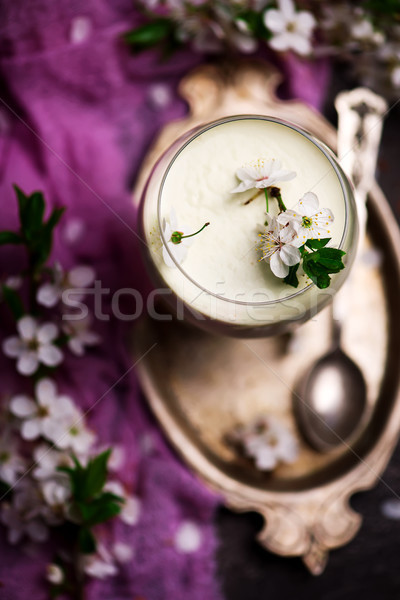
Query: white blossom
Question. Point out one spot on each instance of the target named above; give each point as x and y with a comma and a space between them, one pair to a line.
19, 526
188, 537
56, 492
130, 509
47, 461
308, 219
34, 345
40, 415
291, 30
261, 174
364, 30
100, 564
123, 553
81, 28
12, 464
54, 574
267, 441
78, 278
279, 246
69, 431
27, 515
179, 251
80, 336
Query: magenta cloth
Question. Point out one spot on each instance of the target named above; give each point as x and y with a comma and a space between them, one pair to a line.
77, 114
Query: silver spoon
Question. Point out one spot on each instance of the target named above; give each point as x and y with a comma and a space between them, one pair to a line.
330, 400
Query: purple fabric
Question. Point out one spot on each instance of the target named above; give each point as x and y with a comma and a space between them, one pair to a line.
79, 119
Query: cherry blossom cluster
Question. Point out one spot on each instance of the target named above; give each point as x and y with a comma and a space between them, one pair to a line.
266, 441
364, 34
45, 439
289, 235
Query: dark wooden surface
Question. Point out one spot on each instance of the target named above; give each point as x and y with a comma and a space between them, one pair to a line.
369, 567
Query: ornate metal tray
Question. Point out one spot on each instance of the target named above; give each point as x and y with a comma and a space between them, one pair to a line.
200, 386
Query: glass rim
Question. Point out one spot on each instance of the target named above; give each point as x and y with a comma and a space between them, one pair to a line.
197, 131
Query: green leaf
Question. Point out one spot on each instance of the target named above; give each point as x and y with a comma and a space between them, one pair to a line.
87, 541
32, 217
54, 218
291, 278
14, 302
5, 489
22, 202
96, 474
321, 278
88, 482
387, 7
255, 23
31, 211
9, 237
317, 244
99, 510
319, 264
41, 246
332, 253
150, 34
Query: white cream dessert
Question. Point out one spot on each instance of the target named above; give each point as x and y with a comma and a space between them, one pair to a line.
219, 271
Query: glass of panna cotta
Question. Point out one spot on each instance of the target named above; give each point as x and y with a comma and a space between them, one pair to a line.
250, 226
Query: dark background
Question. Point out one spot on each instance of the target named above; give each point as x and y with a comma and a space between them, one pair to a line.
368, 567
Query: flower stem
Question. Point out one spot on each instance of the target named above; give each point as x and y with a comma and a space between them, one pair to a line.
266, 197
199, 231
275, 192
281, 204
252, 198
177, 236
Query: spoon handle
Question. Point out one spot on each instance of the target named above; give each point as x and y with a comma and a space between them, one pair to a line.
360, 120
360, 113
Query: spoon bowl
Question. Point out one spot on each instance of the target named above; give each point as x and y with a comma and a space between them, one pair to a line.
330, 401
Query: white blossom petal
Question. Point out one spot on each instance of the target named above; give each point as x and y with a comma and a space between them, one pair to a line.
13, 346
82, 442
290, 255
66, 407
275, 21
130, 511
54, 574
48, 295
45, 391
22, 406
287, 8
81, 276
56, 493
309, 204
76, 346
188, 537
27, 362
27, 328
123, 552
50, 355
299, 43
278, 268
261, 174
31, 429
281, 42
47, 333
306, 22
243, 187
